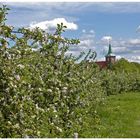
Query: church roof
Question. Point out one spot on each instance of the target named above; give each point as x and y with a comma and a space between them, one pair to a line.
101, 64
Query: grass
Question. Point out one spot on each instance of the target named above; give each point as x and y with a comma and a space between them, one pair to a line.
120, 116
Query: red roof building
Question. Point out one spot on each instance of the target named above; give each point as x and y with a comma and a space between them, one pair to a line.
110, 58
101, 64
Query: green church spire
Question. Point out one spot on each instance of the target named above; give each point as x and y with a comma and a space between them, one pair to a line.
109, 51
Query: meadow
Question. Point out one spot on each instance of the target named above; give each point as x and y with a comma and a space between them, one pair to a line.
120, 116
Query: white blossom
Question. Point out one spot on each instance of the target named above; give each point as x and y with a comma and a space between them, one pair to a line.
16, 125
21, 66
49, 90
59, 129
17, 77
39, 89
75, 135
64, 90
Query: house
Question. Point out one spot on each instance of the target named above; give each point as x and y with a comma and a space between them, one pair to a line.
110, 59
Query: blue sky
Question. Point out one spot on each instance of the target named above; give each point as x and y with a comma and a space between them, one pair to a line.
91, 22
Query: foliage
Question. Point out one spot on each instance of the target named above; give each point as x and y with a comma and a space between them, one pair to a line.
116, 82
122, 77
124, 65
41, 87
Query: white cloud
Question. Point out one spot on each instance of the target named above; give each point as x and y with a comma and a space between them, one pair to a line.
136, 51
87, 41
118, 57
121, 7
83, 31
120, 49
134, 41
88, 35
52, 24
106, 38
92, 31
134, 59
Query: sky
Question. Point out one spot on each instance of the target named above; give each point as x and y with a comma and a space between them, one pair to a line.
94, 23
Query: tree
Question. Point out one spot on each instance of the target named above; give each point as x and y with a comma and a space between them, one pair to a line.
39, 83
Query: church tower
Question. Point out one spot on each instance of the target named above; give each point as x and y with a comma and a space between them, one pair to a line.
110, 57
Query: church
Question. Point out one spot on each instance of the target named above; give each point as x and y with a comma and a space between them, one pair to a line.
110, 59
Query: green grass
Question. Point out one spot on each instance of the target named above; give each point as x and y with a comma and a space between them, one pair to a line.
120, 116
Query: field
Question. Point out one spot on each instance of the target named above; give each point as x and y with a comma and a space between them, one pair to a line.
120, 116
